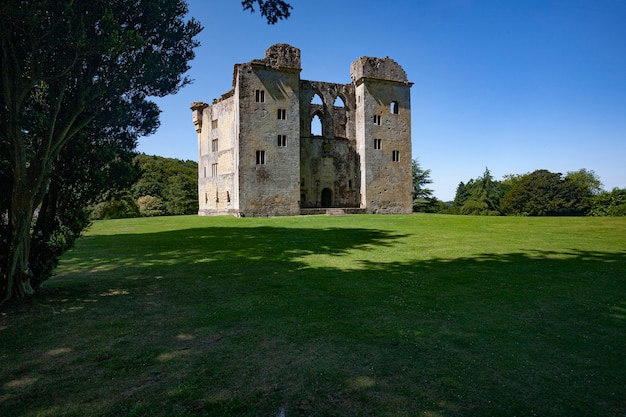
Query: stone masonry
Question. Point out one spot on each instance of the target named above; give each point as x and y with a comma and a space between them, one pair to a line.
258, 156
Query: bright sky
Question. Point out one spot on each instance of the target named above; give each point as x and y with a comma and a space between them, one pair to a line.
514, 86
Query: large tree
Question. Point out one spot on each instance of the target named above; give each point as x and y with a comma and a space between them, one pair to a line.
545, 193
62, 65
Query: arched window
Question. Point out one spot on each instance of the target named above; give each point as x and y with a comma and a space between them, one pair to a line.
316, 125
317, 100
339, 102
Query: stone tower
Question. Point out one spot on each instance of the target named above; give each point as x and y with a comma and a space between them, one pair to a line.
258, 155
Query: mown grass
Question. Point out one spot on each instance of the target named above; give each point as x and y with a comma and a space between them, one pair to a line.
326, 316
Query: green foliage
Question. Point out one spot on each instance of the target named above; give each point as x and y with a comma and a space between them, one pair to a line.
150, 206
173, 181
272, 10
544, 193
118, 206
480, 197
76, 71
423, 200
607, 203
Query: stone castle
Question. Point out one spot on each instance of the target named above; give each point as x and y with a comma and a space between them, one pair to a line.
258, 155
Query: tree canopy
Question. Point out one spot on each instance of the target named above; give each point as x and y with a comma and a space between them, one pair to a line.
68, 67
272, 10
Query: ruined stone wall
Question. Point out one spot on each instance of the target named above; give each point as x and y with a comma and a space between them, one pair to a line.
328, 164
269, 146
216, 160
266, 162
383, 135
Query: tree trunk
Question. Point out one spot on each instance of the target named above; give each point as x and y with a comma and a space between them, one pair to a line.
16, 274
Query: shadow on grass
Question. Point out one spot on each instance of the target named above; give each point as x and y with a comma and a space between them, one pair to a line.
323, 322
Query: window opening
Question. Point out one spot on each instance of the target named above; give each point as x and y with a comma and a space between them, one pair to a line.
377, 120
282, 140
378, 143
395, 156
339, 102
204, 172
393, 107
317, 99
260, 96
214, 124
214, 170
260, 157
282, 114
214, 145
316, 125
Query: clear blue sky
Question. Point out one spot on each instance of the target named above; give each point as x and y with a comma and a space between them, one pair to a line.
514, 86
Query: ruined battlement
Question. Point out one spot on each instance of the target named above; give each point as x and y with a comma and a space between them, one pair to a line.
378, 68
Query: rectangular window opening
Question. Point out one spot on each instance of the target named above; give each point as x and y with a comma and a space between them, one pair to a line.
378, 143
282, 114
260, 96
214, 145
214, 170
393, 107
260, 157
377, 120
214, 124
395, 156
282, 140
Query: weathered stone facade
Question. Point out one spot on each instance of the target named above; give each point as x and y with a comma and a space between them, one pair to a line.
259, 157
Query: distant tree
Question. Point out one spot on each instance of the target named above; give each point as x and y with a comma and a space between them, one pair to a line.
609, 203
173, 181
423, 200
463, 193
150, 206
484, 197
272, 10
544, 193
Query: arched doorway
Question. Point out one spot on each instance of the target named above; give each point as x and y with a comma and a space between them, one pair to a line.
327, 197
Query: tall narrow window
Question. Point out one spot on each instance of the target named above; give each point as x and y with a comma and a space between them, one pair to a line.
282, 140
214, 124
378, 143
260, 157
214, 145
393, 107
260, 96
204, 172
214, 170
282, 114
395, 156
377, 120
316, 126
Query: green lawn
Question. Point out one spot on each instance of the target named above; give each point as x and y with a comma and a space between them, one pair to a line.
417, 315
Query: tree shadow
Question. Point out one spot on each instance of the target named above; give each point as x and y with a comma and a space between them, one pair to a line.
246, 320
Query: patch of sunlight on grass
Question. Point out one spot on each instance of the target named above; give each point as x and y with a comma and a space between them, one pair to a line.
58, 351
362, 382
113, 293
168, 356
22, 382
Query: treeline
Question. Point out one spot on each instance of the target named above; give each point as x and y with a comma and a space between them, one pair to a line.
539, 193
161, 187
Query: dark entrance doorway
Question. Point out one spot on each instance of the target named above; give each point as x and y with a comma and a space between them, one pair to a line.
327, 197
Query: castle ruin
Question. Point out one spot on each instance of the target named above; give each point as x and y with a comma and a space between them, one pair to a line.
257, 155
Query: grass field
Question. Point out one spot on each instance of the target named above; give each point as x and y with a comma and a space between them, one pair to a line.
418, 315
